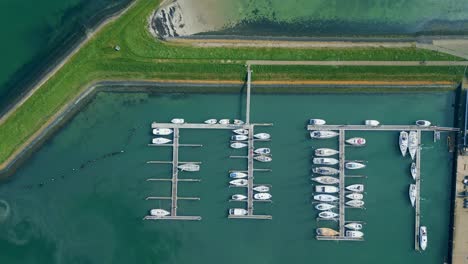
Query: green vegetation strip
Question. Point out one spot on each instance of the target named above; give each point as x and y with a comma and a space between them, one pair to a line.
141, 57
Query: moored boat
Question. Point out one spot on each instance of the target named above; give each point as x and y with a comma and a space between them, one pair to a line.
262, 196
326, 180
262, 151
323, 134
160, 140
261, 188
354, 234
325, 198
237, 175
352, 165
237, 211
324, 152
412, 143
326, 189
412, 194
177, 121
355, 203
356, 141
423, 123
355, 196
238, 122
211, 121
317, 122
162, 131
325, 231
354, 226
325, 161
403, 142
239, 182
241, 131
238, 197
159, 212
327, 215
189, 167
325, 170
238, 145
413, 170
355, 187
324, 206
239, 137
373, 123
224, 121
262, 136
263, 158
423, 237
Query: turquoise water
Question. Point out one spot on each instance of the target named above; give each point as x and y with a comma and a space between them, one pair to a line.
78, 200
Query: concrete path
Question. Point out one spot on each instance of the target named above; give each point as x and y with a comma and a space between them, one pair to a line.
359, 63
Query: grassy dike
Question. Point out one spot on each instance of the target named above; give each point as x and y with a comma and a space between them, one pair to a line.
143, 58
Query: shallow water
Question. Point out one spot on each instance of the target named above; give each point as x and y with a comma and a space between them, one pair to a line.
79, 200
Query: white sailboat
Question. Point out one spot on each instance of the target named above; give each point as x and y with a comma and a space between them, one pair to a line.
403, 142
159, 212
238, 145
237, 211
354, 234
412, 193
326, 180
262, 136
211, 121
355, 196
355, 187
263, 158
237, 175
324, 206
423, 123
423, 237
326, 189
324, 152
224, 121
238, 197
325, 231
413, 170
162, 131
327, 215
239, 182
239, 137
323, 134
356, 141
262, 151
317, 122
261, 188
177, 121
189, 167
352, 165
354, 226
262, 196
373, 123
413, 143
241, 131
325, 161
325, 170
161, 140
325, 198
238, 122
355, 203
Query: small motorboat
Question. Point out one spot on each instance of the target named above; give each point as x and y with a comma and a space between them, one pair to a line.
237, 175
177, 121
262, 151
326, 189
423, 237
238, 197
354, 234
412, 194
326, 180
355, 203
423, 123
325, 170
238, 122
355, 188
189, 167
403, 142
224, 121
211, 121
325, 161
262, 196
413, 143
323, 134
262, 136
373, 123
263, 158
354, 165
241, 131
325, 198
238, 145
237, 211
354, 226
324, 206
325, 231
261, 188
239, 182
161, 140
355, 196
159, 212
239, 137
327, 215
162, 131
324, 152
413, 170
356, 141
317, 122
